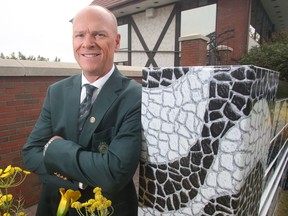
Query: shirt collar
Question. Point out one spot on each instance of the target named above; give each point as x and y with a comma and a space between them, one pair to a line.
100, 82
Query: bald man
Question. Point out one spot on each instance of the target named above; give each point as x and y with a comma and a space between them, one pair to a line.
102, 149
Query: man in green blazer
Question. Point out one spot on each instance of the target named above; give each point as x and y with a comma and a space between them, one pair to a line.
105, 152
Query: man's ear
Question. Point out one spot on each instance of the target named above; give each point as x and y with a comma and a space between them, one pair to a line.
117, 40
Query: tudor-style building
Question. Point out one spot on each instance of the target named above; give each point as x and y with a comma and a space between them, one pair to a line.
154, 32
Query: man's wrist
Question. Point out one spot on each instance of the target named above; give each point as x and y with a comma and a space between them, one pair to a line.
82, 186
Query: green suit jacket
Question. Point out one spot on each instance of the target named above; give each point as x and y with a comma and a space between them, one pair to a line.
105, 154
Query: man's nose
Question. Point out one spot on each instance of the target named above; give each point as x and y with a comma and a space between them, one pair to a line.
90, 41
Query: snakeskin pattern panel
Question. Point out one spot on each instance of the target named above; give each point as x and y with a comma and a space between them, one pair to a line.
206, 138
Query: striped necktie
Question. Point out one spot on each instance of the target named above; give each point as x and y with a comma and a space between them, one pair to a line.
85, 106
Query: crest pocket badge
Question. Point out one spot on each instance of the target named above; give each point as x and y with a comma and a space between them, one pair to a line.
103, 147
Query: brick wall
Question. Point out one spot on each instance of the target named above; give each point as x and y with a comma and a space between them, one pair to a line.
193, 50
234, 15
20, 104
22, 89
232, 27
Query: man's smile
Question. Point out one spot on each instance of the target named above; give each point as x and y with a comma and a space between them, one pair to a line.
91, 55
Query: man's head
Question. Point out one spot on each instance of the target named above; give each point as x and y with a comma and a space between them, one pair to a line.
95, 40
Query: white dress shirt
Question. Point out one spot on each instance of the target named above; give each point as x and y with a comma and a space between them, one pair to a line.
98, 84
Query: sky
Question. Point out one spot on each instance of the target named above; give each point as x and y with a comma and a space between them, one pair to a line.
42, 27
38, 27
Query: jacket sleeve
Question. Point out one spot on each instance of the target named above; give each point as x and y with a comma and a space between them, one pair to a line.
32, 151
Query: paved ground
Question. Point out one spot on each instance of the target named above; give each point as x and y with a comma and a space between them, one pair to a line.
282, 209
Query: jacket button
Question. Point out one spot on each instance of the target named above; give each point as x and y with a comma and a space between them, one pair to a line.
92, 120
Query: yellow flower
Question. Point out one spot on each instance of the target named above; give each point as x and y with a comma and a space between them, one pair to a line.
76, 205
5, 175
85, 204
91, 201
91, 209
11, 177
7, 198
108, 203
97, 190
98, 196
67, 198
26, 172
8, 168
18, 169
100, 205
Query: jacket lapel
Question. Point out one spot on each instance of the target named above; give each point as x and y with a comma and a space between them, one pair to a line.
104, 100
73, 91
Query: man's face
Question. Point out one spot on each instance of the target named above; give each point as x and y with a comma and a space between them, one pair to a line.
95, 41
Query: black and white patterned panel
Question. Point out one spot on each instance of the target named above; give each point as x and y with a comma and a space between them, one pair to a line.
204, 130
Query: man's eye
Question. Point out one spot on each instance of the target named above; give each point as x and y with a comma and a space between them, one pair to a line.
100, 35
79, 35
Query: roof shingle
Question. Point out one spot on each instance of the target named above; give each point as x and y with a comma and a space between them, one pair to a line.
110, 3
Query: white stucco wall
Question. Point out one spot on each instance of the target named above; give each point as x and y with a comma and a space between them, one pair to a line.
151, 29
